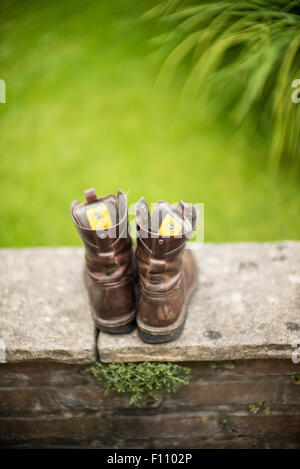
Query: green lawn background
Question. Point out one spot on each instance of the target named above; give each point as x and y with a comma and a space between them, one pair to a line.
84, 109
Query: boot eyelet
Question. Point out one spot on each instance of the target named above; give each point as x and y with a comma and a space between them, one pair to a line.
160, 241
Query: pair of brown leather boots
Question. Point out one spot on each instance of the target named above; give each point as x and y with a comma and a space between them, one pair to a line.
152, 286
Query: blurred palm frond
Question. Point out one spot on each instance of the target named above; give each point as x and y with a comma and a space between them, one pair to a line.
238, 59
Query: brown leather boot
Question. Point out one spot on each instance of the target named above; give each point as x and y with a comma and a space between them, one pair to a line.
167, 272
102, 224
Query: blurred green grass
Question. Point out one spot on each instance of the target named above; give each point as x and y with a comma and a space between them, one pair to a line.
83, 109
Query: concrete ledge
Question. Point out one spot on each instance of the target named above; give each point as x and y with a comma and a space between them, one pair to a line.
247, 306
44, 311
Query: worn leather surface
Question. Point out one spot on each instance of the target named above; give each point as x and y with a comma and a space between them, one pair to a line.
167, 274
109, 268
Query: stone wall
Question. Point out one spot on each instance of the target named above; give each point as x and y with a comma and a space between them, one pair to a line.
246, 310
52, 404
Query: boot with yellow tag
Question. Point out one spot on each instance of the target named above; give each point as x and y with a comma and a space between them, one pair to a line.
167, 271
102, 224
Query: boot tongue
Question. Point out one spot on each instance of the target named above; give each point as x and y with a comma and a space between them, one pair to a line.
97, 214
167, 221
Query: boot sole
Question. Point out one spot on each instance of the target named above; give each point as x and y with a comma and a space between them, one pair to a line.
161, 337
116, 327
157, 335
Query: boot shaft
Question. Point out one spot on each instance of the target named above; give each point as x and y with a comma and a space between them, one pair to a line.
161, 240
102, 224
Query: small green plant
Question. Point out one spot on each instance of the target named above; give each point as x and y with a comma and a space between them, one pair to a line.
140, 381
267, 410
295, 379
255, 407
225, 365
224, 420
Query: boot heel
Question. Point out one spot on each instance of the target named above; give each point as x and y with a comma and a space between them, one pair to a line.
158, 338
121, 326
126, 329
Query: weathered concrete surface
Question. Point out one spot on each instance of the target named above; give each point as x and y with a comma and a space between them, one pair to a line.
247, 306
44, 311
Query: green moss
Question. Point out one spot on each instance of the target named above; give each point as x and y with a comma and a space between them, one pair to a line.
222, 365
267, 410
140, 381
255, 407
295, 379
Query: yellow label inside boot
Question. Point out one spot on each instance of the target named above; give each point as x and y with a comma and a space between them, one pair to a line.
99, 217
169, 227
